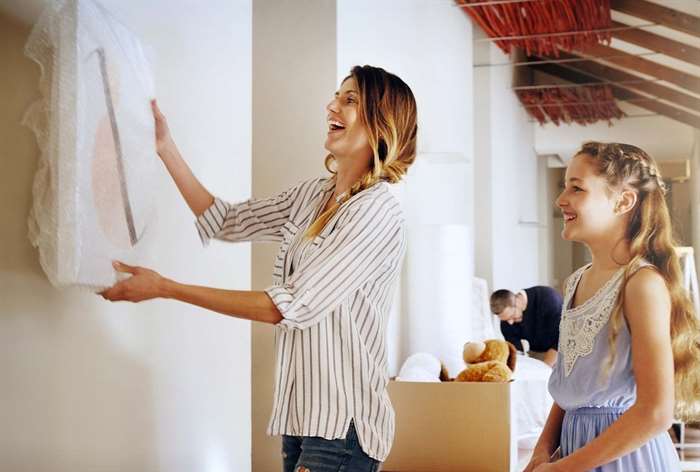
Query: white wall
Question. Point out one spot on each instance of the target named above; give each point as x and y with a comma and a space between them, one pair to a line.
294, 61
427, 44
88, 385
507, 218
661, 137
695, 197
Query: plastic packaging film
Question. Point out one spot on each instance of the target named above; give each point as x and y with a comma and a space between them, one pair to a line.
93, 196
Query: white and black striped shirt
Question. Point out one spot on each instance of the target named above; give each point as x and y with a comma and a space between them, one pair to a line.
334, 292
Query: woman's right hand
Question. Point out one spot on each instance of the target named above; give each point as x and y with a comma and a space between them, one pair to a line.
164, 140
538, 458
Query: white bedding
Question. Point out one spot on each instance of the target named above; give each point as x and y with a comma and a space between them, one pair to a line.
532, 399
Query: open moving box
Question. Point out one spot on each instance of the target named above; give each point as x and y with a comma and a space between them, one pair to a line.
453, 426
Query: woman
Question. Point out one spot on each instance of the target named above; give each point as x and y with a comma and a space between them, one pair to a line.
342, 242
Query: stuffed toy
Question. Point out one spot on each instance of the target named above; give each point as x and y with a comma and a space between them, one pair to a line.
423, 367
489, 361
420, 367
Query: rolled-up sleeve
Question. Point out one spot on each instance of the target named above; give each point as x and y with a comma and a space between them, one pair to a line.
369, 242
252, 220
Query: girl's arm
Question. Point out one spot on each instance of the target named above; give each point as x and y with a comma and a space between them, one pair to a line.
647, 310
549, 439
550, 357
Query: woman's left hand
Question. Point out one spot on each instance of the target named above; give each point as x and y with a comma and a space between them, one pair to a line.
144, 284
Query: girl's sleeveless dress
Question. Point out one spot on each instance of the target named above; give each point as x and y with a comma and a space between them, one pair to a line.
593, 402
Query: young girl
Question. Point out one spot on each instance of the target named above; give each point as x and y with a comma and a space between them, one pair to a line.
342, 242
628, 333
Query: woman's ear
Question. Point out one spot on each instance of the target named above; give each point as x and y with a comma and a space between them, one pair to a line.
626, 201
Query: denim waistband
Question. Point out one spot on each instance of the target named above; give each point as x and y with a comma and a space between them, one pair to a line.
598, 410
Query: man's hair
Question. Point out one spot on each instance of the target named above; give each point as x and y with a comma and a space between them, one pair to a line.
501, 299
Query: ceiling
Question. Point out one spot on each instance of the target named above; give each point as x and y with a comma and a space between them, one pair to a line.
649, 69
654, 72
665, 80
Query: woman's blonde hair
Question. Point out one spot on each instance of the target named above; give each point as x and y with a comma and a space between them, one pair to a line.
387, 109
650, 238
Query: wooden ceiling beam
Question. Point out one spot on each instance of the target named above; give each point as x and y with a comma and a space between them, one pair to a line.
657, 43
645, 66
660, 14
611, 74
577, 77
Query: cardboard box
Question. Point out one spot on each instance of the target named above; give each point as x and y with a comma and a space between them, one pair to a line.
453, 426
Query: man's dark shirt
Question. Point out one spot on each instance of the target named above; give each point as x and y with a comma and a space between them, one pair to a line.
540, 323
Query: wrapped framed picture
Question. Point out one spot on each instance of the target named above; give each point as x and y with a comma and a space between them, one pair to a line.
93, 197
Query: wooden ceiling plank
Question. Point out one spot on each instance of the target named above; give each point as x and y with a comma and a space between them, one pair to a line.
621, 93
607, 73
645, 66
657, 43
668, 17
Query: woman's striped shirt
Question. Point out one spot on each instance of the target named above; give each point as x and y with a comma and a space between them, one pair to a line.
334, 292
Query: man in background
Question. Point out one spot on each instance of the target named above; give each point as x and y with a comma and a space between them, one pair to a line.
533, 315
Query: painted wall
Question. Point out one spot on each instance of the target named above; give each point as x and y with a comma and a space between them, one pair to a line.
428, 45
695, 196
88, 385
661, 137
294, 61
507, 217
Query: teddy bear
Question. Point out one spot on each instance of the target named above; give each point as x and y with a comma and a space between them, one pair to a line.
492, 360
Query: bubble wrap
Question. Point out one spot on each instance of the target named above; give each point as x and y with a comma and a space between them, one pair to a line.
93, 197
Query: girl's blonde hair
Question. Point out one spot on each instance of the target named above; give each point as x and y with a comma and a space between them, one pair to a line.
387, 109
650, 237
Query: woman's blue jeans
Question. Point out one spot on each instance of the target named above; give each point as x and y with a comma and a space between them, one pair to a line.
313, 454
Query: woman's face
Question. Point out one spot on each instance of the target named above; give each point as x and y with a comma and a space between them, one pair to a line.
587, 203
347, 136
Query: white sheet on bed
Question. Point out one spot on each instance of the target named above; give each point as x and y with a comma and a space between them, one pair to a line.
532, 399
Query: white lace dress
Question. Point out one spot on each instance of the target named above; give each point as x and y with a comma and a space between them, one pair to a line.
593, 402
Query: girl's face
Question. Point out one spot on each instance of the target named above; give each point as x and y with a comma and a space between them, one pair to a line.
347, 136
587, 203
